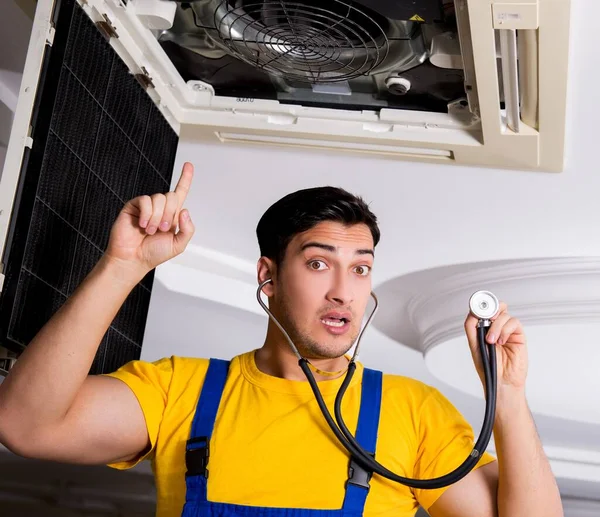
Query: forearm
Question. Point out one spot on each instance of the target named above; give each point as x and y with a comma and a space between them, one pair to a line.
526, 485
45, 380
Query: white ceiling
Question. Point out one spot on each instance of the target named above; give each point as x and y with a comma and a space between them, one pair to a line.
432, 218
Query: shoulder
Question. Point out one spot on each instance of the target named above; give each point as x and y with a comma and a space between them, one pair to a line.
400, 387
403, 400
424, 404
419, 396
162, 373
188, 365
164, 365
169, 372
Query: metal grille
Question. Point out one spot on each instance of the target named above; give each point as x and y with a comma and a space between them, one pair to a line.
318, 41
98, 141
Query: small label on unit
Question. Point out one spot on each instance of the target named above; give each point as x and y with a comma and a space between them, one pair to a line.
508, 16
514, 16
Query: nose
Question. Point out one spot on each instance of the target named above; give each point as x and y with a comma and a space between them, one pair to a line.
341, 291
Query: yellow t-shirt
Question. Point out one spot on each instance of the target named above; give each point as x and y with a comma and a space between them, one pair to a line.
271, 445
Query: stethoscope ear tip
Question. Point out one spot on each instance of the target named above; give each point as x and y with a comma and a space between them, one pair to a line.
265, 282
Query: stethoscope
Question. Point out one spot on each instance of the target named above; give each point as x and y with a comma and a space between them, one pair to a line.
484, 306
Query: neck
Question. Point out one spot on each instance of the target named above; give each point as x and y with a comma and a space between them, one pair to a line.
277, 358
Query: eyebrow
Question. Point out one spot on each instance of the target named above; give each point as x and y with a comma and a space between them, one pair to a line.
333, 249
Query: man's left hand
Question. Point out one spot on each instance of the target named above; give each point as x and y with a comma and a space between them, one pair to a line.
506, 333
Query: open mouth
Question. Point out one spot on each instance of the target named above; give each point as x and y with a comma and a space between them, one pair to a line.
334, 322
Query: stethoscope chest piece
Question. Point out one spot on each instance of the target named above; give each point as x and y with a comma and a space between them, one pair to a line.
484, 305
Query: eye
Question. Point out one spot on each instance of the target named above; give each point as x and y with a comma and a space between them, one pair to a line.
363, 270
314, 265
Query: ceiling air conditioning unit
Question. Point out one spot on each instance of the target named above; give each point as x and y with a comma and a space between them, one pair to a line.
474, 82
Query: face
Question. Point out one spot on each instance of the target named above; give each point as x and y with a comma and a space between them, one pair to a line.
322, 289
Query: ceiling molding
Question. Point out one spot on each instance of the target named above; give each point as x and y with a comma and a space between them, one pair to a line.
217, 288
580, 508
538, 314
426, 308
208, 260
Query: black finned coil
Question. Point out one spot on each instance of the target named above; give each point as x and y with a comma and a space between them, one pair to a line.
98, 140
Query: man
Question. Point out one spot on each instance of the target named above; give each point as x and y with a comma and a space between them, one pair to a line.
257, 444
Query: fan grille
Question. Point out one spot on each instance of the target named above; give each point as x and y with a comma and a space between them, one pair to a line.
317, 42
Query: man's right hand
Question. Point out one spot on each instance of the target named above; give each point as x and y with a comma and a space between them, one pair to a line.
145, 234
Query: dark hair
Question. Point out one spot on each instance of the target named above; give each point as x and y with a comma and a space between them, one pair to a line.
302, 210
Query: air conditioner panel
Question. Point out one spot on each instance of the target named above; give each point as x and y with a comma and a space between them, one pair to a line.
222, 43
441, 154
535, 146
87, 137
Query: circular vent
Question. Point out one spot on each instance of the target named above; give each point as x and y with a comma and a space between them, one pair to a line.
315, 41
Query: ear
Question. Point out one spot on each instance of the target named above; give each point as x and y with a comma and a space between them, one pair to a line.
266, 269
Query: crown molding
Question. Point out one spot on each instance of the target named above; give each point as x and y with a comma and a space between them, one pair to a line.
208, 260
209, 286
580, 507
426, 308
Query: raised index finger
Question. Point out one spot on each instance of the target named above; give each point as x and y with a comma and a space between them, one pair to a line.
184, 183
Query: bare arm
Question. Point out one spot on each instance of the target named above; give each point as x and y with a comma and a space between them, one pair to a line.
526, 485
50, 407
473, 496
521, 483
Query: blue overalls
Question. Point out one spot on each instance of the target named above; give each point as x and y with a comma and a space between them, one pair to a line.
197, 453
